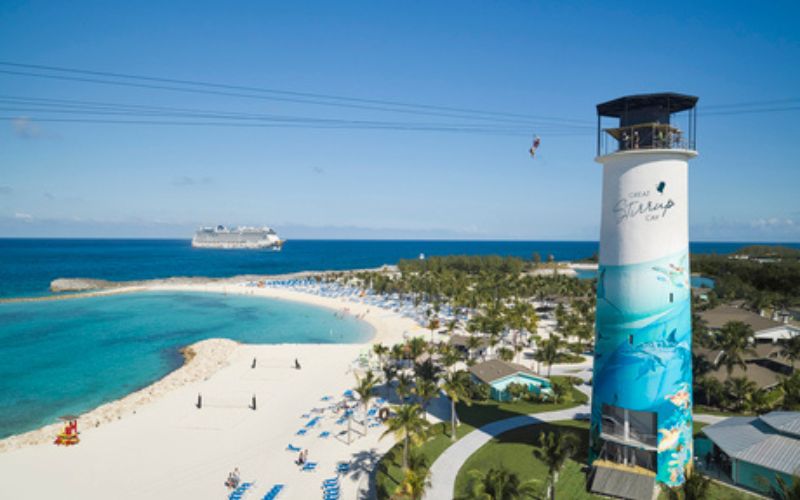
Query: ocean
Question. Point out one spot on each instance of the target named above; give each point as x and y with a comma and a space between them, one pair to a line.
60, 357
70, 356
27, 266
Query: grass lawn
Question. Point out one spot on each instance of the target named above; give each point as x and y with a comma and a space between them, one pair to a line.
514, 450
719, 491
697, 427
710, 410
390, 474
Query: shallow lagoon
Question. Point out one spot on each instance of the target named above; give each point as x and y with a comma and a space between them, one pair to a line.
70, 356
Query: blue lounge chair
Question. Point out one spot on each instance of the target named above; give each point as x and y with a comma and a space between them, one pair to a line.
240, 491
331, 493
324, 434
295, 449
274, 492
310, 466
301, 432
343, 468
334, 481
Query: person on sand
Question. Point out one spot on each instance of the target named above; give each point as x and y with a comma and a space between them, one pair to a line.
300, 460
296, 364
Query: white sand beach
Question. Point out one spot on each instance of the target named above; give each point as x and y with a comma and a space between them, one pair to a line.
156, 444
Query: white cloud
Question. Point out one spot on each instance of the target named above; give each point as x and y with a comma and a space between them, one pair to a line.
24, 128
23, 216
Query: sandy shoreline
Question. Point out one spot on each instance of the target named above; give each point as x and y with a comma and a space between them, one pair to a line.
203, 359
165, 432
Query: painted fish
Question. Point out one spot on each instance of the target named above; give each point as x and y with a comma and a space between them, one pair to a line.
669, 438
680, 398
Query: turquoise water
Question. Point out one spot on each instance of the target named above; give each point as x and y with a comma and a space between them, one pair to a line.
70, 356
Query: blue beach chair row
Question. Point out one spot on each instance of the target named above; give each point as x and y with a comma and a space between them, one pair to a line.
330, 489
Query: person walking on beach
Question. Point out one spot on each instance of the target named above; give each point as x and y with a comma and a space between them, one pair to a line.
296, 364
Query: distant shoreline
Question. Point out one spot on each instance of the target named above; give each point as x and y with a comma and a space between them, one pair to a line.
78, 288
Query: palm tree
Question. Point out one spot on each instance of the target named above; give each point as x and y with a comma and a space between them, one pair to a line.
791, 350
554, 450
381, 351
733, 340
449, 357
549, 351
473, 342
499, 483
560, 389
783, 490
364, 387
740, 390
406, 425
456, 388
791, 392
389, 371
712, 390
404, 384
416, 480
505, 354
695, 487
416, 347
425, 391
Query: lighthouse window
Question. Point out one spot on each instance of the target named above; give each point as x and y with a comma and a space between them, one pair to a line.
629, 425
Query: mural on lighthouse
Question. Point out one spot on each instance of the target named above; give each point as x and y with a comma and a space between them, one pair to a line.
642, 384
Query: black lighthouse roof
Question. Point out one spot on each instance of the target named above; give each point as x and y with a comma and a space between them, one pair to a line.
665, 102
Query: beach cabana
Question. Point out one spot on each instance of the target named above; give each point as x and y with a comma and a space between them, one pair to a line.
498, 375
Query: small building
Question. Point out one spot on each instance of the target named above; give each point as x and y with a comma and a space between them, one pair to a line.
765, 366
766, 329
752, 451
498, 375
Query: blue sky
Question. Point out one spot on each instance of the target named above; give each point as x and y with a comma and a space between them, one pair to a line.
543, 59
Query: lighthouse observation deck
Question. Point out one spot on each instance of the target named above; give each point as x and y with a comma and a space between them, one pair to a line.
647, 122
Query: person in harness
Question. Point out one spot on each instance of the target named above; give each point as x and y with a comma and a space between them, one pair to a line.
534, 146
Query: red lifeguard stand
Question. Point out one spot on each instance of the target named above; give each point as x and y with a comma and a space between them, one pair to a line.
69, 436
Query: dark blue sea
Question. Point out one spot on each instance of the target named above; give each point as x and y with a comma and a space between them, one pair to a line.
27, 266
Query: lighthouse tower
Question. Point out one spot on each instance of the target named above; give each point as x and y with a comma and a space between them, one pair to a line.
641, 425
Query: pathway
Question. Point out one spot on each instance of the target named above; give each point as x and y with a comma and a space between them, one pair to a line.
445, 469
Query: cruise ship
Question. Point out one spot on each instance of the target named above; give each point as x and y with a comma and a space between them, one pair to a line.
243, 237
